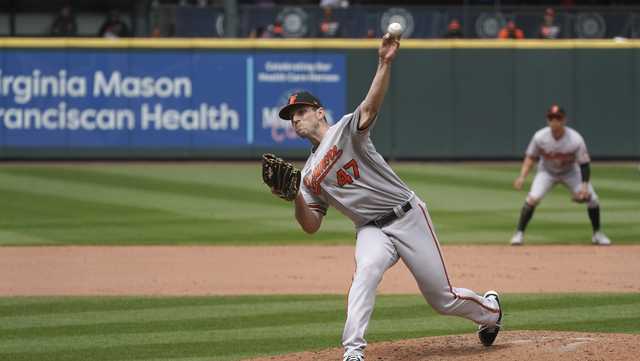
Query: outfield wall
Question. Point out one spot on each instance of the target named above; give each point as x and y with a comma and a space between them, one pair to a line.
194, 98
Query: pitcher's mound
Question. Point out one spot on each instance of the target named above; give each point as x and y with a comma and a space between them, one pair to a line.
520, 345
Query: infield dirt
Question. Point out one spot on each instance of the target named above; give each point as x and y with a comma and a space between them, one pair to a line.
161, 270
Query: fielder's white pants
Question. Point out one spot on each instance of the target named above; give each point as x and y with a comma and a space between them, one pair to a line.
544, 181
411, 238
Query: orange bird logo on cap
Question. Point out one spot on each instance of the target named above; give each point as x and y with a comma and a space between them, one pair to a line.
292, 99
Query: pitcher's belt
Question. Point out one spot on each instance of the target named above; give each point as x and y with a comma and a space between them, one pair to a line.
391, 216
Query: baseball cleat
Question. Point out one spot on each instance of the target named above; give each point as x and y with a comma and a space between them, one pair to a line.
601, 239
487, 334
353, 357
517, 239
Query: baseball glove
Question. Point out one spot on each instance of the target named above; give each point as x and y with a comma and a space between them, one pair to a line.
281, 176
581, 200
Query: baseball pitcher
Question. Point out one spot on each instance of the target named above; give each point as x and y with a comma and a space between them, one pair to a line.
563, 158
345, 171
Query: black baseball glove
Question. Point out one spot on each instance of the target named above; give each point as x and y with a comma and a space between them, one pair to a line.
281, 176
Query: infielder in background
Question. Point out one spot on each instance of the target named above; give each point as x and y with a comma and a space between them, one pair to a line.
563, 159
344, 170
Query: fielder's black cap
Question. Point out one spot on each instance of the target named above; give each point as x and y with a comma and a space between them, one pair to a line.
296, 100
555, 111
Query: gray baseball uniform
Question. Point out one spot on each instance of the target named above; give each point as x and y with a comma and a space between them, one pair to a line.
559, 159
346, 172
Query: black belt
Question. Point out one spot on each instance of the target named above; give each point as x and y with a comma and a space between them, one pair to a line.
389, 217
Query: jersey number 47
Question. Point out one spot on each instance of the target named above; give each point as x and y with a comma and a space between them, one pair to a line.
344, 177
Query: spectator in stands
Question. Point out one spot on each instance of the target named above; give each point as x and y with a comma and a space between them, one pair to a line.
329, 27
113, 26
276, 30
511, 31
257, 32
156, 32
549, 29
371, 33
454, 30
65, 23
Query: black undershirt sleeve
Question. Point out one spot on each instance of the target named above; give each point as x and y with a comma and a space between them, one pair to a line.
585, 170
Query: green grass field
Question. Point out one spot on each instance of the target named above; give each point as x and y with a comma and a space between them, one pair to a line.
225, 203
232, 328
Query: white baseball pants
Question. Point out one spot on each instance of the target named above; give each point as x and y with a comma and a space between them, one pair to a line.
544, 181
411, 238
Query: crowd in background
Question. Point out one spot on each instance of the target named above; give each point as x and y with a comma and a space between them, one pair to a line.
329, 26
116, 25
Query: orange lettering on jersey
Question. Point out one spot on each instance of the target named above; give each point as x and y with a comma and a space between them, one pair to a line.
320, 171
560, 158
567, 157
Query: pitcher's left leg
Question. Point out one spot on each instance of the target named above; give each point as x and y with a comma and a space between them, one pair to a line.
418, 247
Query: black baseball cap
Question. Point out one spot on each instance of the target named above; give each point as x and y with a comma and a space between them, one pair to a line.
296, 100
555, 111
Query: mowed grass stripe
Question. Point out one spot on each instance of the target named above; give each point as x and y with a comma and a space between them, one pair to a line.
31, 306
599, 170
415, 323
45, 211
479, 182
130, 191
39, 219
626, 171
395, 317
204, 358
138, 225
271, 319
63, 342
241, 174
166, 313
620, 177
222, 350
90, 176
200, 324
192, 206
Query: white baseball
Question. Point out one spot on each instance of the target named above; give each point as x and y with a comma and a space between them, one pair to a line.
395, 29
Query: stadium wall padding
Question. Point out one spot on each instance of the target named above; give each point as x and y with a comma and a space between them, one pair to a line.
447, 99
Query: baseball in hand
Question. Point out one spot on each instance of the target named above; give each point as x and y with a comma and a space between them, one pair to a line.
395, 29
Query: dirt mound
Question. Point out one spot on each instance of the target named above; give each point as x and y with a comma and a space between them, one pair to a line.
521, 345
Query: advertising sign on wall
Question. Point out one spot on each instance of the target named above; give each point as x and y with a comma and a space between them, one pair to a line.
158, 99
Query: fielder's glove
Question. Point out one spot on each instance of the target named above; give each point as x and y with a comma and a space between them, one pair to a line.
581, 200
282, 177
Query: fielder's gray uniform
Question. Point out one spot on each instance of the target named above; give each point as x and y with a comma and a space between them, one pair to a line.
559, 160
346, 172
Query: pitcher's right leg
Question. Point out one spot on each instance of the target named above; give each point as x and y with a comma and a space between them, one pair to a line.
375, 253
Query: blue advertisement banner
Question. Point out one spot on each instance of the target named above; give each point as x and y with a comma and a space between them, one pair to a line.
279, 75
158, 99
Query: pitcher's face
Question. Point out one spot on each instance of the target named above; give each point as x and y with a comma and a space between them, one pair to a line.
306, 120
